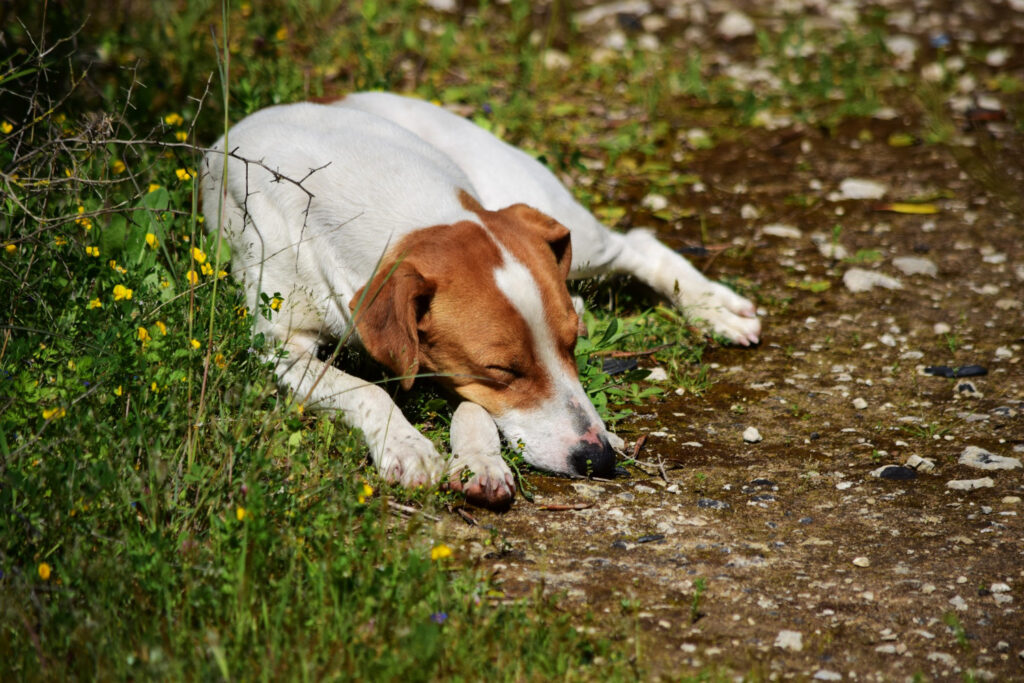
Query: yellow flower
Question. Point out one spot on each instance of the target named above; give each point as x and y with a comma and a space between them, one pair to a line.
153, 387
113, 264
143, 335
59, 241
118, 391
440, 552
183, 174
366, 493
195, 344
152, 241
165, 284
44, 571
222, 274
161, 326
240, 513
121, 292
54, 413
6, 127
275, 303
174, 119
95, 303
153, 187
83, 220
199, 255
181, 135
281, 34
10, 248
92, 251
220, 361
117, 166
192, 277
246, 9
206, 269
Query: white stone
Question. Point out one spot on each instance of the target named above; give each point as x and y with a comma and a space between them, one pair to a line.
958, 603
915, 265
751, 435
861, 562
556, 59
597, 14
735, 25
920, 464
1003, 353
654, 202
945, 658
442, 5
997, 57
858, 280
941, 328
780, 230
859, 188
979, 458
999, 588
859, 403
657, 374
826, 675
970, 484
790, 640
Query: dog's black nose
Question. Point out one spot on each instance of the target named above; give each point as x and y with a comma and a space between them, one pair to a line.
590, 459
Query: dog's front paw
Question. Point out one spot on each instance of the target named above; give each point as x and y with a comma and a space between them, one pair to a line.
725, 312
485, 481
476, 467
410, 459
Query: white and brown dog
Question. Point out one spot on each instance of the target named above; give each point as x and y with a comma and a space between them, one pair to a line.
444, 251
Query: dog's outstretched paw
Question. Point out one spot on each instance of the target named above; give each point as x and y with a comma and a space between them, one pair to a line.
477, 468
725, 312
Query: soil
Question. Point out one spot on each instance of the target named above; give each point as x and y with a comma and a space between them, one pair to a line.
882, 579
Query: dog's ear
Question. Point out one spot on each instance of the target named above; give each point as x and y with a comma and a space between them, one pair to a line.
551, 231
387, 311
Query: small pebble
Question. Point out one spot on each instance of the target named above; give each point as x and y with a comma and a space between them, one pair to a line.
979, 458
790, 640
735, 25
970, 484
751, 435
861, 562
920, 464
859, 403
915, 265
826, 675
894, 472
712, 504
858, 188
858, 280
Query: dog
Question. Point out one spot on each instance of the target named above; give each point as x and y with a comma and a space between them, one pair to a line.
391, 222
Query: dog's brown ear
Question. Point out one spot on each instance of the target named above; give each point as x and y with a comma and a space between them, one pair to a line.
550, 230
386, 312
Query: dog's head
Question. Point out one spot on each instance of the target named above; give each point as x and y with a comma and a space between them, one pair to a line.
483, 307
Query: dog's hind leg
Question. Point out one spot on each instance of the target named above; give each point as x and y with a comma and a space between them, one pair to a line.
725, 312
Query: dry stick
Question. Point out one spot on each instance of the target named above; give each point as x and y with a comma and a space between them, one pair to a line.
556, 507
411, 510
612, 353
468, 517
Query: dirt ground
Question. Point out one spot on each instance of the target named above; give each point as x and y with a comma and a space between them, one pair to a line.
814, 566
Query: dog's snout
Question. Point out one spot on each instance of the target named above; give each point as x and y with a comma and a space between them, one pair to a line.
590, 459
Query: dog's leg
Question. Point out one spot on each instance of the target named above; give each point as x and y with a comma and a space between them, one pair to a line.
477, 468
640, 254
399, 451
